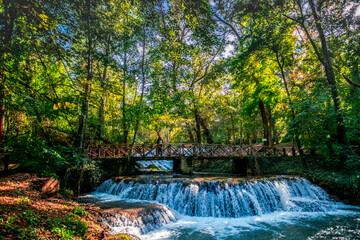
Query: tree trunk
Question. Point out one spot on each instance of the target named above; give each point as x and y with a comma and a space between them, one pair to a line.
326, 61
83, 118
265, 116
124, 121
233, 127
266, 124
10, 13
2, 109
297, 139
101, 129
255, 137
190, 134
197, 129
206, 130
130, 163
275, 134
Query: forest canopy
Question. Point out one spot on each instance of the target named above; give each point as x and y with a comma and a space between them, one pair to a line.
79, 73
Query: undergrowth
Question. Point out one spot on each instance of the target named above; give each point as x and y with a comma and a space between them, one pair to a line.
72, 227
344, 182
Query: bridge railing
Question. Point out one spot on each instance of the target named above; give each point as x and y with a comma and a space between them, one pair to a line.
187, 150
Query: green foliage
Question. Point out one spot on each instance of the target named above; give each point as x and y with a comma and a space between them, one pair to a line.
153, 167
29, 232
70, 226
31, 217
72, 74
36, 155
23, 202
341, 181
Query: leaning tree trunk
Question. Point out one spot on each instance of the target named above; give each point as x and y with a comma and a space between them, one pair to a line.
297, 139
330, 75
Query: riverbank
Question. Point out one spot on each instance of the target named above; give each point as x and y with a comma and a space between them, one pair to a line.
226, 208
343, 184
24, 214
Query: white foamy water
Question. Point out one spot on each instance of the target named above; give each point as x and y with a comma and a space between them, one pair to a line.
222, 209
160, 164
279, 225
143, 218
225, 199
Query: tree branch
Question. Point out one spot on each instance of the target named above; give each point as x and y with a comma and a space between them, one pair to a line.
351, 82
229, 25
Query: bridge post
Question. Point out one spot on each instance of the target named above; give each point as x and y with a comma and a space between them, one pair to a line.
182, 165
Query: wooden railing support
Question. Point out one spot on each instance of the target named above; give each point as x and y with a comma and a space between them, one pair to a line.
152, 151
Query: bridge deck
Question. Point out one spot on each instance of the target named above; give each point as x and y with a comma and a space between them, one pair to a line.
170, 151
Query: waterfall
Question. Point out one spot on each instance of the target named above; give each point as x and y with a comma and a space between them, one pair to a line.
138, 221
160, 164
224, 198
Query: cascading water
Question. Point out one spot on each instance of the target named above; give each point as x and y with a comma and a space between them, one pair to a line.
225, 199
225, 208
160, 164
136, 218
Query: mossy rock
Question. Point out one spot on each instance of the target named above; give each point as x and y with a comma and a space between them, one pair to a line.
123, 237
153, 167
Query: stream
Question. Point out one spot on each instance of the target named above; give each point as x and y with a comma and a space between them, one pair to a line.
205, 207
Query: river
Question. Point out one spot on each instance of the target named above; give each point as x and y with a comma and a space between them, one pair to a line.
205, 207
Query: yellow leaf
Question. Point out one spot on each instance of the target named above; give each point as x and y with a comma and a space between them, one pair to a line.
67, 104
59, 105
55, 107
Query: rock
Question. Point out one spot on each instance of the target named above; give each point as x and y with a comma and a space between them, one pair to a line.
50, 188
86, 199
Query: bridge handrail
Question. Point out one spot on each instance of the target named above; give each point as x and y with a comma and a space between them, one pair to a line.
185, 149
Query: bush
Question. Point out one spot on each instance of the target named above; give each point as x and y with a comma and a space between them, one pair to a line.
35, 155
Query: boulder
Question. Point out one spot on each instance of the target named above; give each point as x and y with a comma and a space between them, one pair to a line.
50, 188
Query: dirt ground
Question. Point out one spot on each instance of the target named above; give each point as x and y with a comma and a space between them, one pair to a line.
25, 214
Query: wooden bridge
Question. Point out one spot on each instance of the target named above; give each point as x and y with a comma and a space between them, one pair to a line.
170, 151
184, 154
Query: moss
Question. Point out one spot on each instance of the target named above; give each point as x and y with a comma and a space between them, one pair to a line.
342, 182
153, 167
344, 185
120, 237
219, 165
